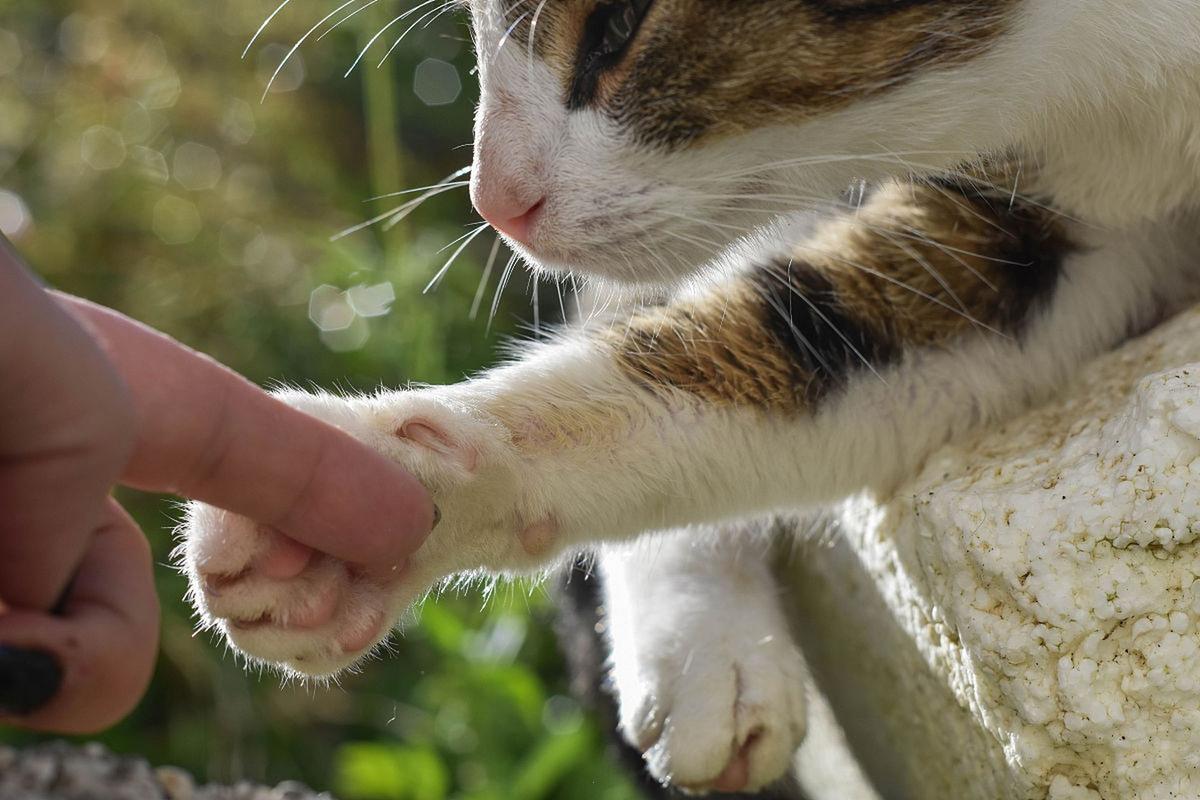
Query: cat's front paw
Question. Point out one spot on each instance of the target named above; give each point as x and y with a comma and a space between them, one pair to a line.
718, 712
281, 603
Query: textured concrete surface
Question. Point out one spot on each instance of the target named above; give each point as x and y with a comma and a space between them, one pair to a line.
1021, 619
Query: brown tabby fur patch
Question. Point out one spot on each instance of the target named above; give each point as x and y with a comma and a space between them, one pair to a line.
711, 68
917, 266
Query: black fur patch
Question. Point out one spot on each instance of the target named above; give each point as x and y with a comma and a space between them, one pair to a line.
803, 312
1028, 257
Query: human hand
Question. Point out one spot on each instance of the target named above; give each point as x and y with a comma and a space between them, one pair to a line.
93, 399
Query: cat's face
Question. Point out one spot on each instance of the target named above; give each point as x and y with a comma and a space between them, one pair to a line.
634, 139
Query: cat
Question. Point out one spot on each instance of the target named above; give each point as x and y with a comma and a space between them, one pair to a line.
1024, 185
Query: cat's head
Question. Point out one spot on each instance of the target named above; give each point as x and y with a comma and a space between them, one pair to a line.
635, 139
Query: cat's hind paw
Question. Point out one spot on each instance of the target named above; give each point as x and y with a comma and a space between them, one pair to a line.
725, 716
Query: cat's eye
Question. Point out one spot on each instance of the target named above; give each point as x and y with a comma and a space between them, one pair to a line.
617, 23
606, 35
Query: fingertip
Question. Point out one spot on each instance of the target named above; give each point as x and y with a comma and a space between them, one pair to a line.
400, 518
401, 532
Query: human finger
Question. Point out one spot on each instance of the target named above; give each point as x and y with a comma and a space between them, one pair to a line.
207, 433
66, 434
102, 642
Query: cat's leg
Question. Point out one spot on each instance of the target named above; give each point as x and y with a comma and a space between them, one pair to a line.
805, 375
709, 684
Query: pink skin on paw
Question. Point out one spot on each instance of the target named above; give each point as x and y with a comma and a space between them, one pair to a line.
316, 614
431, 437
284, 558
538, 538
312, 615
736, 774
360, 638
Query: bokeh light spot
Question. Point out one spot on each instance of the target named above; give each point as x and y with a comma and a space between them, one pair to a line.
137, 124
241, 242
562, 715
15, 218
342, 328
197, 166
290, 78
151, 164
176, 220
329, 309
371, 301
10, 52
436, 82
238, 123
271, 261
348, 339
84, 38
102, 148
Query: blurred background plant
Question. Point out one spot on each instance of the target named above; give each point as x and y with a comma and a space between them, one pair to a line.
142, 167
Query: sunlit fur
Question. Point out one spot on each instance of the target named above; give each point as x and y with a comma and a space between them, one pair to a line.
1098, 98
1024, 184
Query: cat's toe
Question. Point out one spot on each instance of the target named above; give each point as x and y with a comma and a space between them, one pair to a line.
280, 602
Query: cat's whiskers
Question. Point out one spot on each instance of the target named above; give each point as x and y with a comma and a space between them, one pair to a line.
487, 275
835, 206
508, 33
960, 311
795, 290
386, 27
830, 158
414, 190
299, 43
428, 18
504, 277
465, 240
916, 169
395, 215
263, 26
345, 19
533, 23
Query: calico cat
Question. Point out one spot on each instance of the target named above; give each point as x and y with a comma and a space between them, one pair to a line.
1024, 185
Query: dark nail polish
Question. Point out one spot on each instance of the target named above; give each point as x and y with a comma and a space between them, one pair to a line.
437, 516
28, 680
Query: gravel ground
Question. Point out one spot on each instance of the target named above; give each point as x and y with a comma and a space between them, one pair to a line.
60, 771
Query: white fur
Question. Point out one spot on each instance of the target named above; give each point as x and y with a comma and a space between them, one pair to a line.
717, 676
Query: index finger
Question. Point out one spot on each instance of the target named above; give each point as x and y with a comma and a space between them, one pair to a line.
206, 433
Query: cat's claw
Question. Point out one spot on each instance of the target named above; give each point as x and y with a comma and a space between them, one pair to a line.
727, 716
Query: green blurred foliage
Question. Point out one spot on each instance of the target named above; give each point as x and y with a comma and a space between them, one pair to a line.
139, 168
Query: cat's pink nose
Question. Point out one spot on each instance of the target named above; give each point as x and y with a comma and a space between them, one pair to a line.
510, 216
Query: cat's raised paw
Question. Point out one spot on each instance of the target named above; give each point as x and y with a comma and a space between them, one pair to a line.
279, 601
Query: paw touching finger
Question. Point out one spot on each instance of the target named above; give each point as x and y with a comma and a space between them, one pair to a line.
280, 602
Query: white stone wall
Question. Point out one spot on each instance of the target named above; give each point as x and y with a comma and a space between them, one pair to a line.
1022, 620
